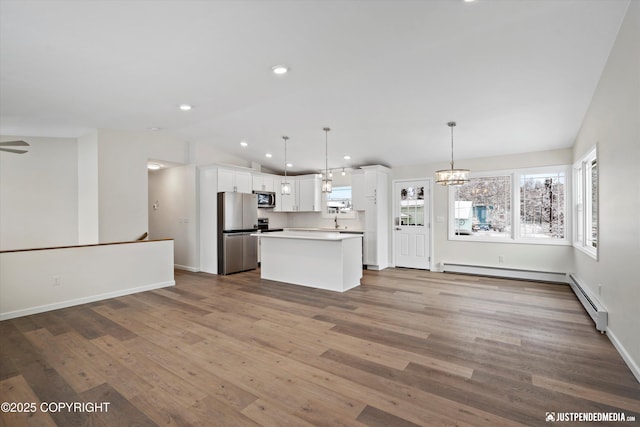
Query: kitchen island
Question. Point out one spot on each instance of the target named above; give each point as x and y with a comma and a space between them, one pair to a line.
330, 260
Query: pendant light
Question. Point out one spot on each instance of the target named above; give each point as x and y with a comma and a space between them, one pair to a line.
452, 176
285, 189
326, 182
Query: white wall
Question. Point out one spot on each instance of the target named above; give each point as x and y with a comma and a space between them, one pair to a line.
519, 256
85, 274
173, 190
88, 195
39, 194
613, 123
122, 183
206, 153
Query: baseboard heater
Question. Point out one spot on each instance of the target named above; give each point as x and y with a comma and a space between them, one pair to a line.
594, 308
507, 273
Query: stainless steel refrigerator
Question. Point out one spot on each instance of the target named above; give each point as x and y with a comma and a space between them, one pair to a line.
237, 219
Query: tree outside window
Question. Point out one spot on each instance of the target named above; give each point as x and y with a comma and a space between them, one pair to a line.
542, 202
483, 207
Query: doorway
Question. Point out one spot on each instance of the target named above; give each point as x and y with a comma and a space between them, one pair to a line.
412, 223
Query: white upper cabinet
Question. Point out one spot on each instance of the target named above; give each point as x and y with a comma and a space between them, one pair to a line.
234, 180
286, 203
309, 193
264, 182
304, 197
358, 197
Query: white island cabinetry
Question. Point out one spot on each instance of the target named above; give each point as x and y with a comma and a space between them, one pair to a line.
330, 261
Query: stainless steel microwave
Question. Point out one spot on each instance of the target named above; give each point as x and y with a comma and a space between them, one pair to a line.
266, 199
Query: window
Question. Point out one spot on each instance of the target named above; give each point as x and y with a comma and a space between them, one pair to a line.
518, 206
482, 207
585, 203
339, 200
542, 202
412, 206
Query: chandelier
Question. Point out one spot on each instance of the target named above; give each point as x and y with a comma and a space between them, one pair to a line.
452, 176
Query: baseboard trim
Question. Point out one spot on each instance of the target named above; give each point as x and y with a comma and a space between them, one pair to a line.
633, 366
507, 273
83, 300
591, 304
186, 268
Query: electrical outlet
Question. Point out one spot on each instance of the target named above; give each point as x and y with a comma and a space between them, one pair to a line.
501, 259
56, 281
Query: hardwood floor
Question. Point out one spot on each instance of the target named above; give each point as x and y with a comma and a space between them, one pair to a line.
406, 348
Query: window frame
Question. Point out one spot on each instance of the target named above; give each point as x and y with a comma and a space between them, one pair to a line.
515, 237
582, 203
353, 214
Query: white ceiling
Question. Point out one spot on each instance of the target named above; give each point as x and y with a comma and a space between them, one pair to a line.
386, 76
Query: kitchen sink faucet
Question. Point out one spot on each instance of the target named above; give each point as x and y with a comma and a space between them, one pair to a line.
336, 222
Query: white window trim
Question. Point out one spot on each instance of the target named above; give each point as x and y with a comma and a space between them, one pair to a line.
515, 238
581, 168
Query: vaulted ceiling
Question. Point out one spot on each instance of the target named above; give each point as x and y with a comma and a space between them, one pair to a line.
386, 76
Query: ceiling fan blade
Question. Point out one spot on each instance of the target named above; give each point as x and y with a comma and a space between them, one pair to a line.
14, 144
13, 151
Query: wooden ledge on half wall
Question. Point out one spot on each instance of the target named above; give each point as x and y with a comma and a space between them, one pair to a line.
82, 246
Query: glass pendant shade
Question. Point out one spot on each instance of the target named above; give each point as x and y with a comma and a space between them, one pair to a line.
327, 185
452, 176
285, 189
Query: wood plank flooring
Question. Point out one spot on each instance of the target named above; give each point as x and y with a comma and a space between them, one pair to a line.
407, 348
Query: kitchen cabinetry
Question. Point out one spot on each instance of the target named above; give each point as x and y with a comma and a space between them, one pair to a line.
288, 202
305, 195
357, 190
309, 193
372, 196
263, 182
234, 180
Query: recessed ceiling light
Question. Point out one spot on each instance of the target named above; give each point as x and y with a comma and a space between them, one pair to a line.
469, 1
185, 107
269, 155
289, 165
280, 69
347, 157
243, 143
153, 166
154, 129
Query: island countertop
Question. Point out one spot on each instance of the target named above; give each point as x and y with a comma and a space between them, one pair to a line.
309, 235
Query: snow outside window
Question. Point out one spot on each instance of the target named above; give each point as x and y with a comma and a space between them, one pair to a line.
515, 206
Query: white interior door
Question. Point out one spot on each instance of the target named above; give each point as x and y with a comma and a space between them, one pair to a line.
412, 212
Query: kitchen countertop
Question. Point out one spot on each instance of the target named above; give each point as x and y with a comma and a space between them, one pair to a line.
270, 230
327, 229
310, 235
